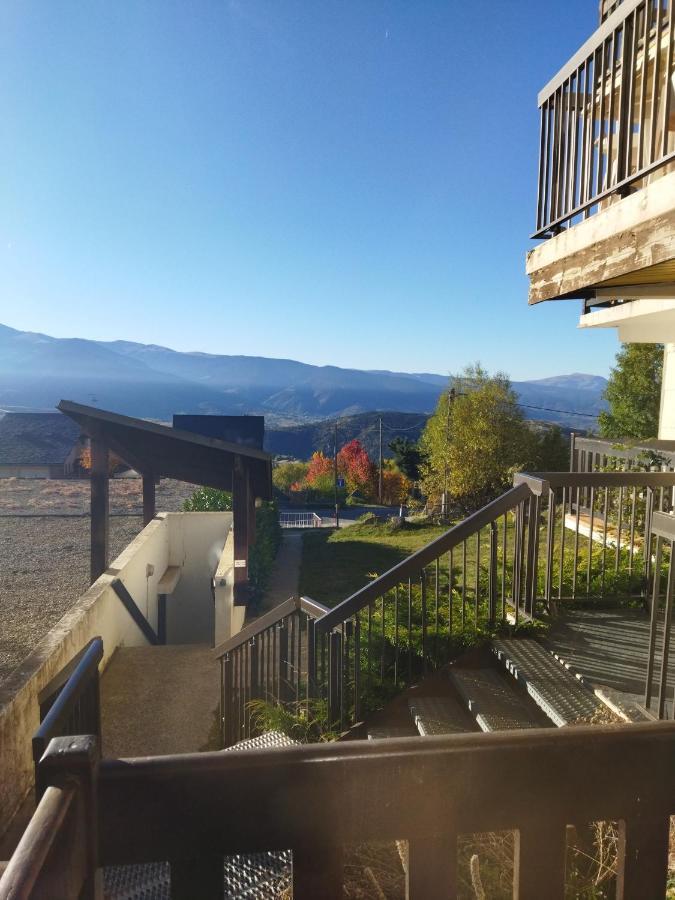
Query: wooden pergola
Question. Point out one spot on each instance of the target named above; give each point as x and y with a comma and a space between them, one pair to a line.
159, 451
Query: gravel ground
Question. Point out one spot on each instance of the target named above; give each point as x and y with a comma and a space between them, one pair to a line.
44, 557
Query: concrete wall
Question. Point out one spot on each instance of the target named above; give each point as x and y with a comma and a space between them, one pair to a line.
229, 618
7, 471
667, 410
197, 542
191, 540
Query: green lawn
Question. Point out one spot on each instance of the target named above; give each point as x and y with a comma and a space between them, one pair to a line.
337, 563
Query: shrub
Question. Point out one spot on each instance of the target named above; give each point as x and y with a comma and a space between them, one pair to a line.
264, 551
207, 499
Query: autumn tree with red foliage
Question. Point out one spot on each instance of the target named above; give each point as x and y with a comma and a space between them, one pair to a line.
357, 469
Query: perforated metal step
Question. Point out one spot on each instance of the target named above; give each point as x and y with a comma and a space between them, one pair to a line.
250, 876
438, 715
564, 699
492, 701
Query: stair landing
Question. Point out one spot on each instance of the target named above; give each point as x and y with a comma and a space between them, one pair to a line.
159, 700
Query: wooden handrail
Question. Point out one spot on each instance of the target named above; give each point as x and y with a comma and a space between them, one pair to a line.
49, 860
314, 796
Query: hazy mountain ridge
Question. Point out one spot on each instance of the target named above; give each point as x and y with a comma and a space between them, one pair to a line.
37, 370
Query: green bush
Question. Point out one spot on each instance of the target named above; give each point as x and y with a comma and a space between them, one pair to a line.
206, 499
264, 551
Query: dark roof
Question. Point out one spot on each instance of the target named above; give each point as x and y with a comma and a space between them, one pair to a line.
36, 439
160, 450
248, 430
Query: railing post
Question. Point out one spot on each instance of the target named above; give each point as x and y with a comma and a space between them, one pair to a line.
318, 872
643, 858
647, 542
284, 686
539, 869
432, 867
312, 692
334, 677
573, 452
530, 571
227, 692
255, 673
517, 559
493, 572
69, 759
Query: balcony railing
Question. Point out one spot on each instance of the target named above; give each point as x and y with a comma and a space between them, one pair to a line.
195, 810
607, 117
598, 455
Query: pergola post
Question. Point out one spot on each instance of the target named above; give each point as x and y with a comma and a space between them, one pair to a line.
149, 502
251, 516
99, 508
240, 524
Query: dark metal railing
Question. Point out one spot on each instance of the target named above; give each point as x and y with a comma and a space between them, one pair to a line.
70, 703
554, 538
597, 454
352, 658
406, 623
316, 799
268, 660
606, 116
662, 529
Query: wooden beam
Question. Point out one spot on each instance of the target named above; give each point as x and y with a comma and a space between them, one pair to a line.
240, 525
626, 240
100, 503
149, 503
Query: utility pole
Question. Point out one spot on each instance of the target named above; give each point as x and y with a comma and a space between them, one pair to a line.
335, 478
379, 486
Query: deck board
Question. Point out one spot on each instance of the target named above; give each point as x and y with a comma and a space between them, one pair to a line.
609, 647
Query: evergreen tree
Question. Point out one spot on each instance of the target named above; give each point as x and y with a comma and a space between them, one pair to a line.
634, 393
407, 456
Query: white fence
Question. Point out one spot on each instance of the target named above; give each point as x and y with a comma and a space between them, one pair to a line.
300, 520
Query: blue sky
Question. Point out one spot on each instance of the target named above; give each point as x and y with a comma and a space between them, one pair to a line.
338, 182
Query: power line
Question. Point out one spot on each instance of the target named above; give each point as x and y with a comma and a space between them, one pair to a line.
570, 412
410, 428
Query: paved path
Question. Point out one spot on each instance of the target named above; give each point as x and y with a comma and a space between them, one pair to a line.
285, 572
159, 700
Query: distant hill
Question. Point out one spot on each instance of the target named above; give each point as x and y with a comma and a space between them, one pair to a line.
37, 370
300, 441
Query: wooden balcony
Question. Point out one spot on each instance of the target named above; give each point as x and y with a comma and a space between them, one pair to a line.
606, 181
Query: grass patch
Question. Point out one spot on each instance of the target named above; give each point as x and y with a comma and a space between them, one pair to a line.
335, 564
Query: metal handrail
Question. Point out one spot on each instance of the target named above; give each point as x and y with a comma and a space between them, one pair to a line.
540, 482
413, 564
274, 616
586, 450
76, 707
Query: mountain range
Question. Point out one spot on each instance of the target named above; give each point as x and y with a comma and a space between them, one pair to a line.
37, 370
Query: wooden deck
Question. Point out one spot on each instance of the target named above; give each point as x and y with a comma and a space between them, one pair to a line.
608, 648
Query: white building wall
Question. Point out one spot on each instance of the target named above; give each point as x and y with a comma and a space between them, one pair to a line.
193, 541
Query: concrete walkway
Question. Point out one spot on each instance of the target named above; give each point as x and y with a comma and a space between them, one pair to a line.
285, 572
159, 700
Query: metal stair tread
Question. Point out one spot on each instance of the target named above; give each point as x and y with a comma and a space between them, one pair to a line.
492, 701
382, 732
438, 715
560, 695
